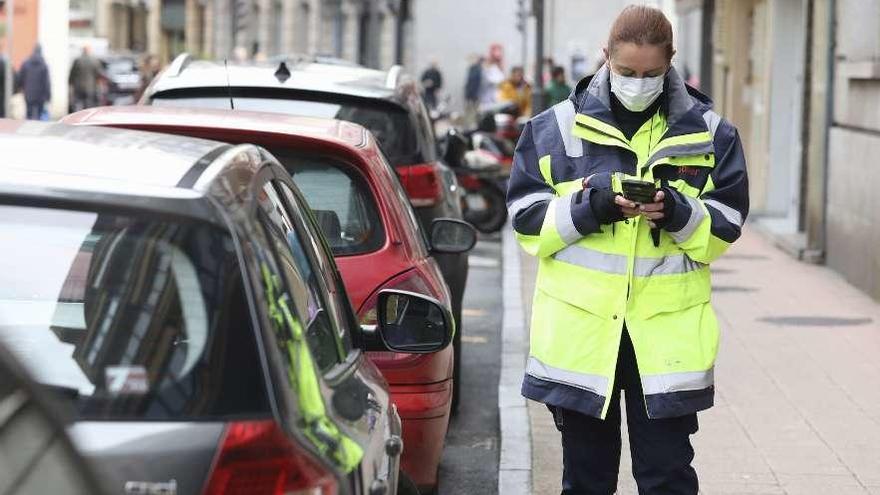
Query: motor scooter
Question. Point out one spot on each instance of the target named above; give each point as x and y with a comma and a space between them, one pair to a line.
483, 180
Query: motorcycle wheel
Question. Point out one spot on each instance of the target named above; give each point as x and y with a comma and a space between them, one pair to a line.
491, 218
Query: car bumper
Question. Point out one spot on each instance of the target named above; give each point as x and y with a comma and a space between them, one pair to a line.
424, 411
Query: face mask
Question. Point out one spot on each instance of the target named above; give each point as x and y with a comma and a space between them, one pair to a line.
636, 94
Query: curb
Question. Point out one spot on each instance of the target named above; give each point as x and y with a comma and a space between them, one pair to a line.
515, 463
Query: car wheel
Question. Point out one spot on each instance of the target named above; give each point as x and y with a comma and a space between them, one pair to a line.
405, 486
492, 217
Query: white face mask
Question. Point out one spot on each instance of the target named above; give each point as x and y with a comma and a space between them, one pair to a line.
636, 94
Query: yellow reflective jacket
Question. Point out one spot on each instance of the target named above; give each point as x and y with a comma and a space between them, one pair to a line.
594, 278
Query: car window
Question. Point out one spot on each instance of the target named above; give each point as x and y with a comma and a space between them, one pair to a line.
298, 270
336, 297
132, 317
341, 200
390, 124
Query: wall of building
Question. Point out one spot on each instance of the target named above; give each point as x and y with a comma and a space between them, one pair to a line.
853, 224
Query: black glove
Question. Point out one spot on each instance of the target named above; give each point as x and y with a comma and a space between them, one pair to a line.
604, 208
668, 207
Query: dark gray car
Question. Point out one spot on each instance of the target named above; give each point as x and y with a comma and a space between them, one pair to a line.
177, 294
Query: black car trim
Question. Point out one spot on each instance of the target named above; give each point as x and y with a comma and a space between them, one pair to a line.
166, 208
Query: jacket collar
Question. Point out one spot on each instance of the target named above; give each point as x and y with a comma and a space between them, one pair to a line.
684, 106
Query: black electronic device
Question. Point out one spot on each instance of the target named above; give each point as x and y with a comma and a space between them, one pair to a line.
639, 191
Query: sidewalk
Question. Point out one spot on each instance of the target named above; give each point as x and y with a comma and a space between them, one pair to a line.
798, 383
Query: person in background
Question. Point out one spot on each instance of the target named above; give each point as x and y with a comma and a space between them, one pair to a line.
515, 89
557, 89
432, 81
83, 80
33, 80
149, 70
2, 85
472, 85
547, 70
493, 75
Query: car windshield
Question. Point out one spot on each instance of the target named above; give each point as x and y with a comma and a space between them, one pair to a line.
341, 200
391, 127
133, 318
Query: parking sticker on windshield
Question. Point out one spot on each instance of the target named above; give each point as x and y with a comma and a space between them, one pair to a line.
124, 380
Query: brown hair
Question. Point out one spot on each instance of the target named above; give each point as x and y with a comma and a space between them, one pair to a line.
642, 25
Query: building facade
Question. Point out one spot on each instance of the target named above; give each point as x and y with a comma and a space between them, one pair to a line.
374, 33
801, 80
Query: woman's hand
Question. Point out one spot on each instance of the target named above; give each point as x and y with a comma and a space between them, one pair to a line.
653, 211
629, 208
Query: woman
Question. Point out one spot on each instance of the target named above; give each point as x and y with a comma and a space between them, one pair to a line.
623, 288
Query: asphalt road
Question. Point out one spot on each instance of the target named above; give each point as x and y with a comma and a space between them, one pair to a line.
470, 460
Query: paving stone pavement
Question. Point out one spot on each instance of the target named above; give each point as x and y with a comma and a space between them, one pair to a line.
798, 402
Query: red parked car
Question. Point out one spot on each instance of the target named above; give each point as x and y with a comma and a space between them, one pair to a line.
370, 227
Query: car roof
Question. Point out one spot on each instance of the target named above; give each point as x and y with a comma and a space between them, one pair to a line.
334, 131
110, 167
354, 81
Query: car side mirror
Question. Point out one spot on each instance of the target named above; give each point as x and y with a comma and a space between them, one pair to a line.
411, 323
449, 235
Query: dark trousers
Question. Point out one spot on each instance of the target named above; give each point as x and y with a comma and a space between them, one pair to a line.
34, 110
661, 448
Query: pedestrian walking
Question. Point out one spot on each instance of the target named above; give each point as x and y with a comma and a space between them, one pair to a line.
85, 73
472, 85
33, 80
516, 90
493, 75
623, 286
558, 89
432, 82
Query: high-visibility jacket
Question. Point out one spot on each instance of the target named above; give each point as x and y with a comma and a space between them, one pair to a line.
592, 279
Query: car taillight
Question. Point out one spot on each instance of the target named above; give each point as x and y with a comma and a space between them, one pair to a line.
256, 457
470, 182
422, 183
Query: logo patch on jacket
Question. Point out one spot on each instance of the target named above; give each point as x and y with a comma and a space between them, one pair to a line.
692, 171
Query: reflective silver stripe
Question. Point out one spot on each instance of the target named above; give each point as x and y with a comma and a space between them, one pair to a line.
564, 222
730, 214
713, 120
594, 383
668, 265
681, 150
565, 111
526, 201
678, 382
697, 215
615, 264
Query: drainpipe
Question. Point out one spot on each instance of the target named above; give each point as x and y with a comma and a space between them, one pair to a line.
816, 196
538, 88
829, 120
707, 47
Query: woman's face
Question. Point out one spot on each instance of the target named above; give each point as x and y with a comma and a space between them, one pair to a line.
632, 60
